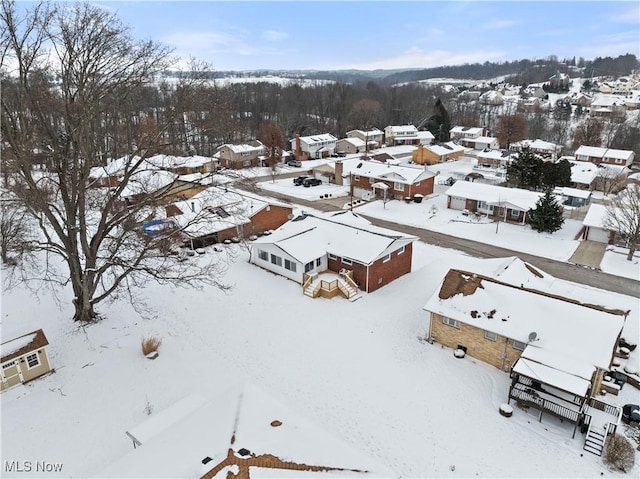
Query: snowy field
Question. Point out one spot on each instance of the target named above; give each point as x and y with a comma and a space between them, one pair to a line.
432, 214
359, 369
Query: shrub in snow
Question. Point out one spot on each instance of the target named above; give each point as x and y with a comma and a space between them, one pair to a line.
506, 410
618, 453
630, 369
150, 344
459, 353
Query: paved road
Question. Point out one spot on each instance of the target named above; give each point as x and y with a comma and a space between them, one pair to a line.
558, 269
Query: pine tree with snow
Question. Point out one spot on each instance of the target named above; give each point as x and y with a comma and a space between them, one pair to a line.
547, 215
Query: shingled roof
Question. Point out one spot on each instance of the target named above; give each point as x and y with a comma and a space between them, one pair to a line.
9, 352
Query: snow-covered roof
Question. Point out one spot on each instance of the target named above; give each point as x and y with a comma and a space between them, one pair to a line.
312, 140
218, 208
595, 217
343, 234
445, 148
16, 347
373, 131
383, 171
495, 155
549, 375
148, 181
355, 141
244, 147
401, 129
243, 418
469, 130
485, 140
599, 152
425, 135
170, 162
573, 192
537, 145
607, 100
495, 195
584, 333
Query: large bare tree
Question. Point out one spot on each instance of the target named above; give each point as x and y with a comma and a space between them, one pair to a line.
63, 69
623, 217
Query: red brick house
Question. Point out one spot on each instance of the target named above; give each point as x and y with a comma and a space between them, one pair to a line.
218, 214
341, 243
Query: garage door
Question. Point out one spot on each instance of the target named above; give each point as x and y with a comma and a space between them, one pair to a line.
457, 203
598, 234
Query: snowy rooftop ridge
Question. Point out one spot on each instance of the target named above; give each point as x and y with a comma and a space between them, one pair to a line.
16, 347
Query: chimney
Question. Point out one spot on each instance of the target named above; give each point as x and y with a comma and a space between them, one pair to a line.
193, 206
298, 150
338, 172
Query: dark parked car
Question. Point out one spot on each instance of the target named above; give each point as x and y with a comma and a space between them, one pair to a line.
630, 413
299, 180
311, 182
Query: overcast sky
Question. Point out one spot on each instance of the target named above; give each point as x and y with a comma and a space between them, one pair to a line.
238, 35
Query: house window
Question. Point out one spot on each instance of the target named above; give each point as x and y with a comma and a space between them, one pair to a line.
356, 177
372, 181
483, 206
347, 261
490, 336
8, 365
451, 322
401, 250
618, 160
518, 345
263, 255
318, 262
246, 163
308, 267
276, 260
514, 213
32, 360
398, 186
332, 256
386, 258
290, 265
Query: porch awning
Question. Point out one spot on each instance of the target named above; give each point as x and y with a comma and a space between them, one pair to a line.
553, 377
381, 185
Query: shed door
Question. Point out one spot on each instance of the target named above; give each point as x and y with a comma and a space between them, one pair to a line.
457, 203
11, 374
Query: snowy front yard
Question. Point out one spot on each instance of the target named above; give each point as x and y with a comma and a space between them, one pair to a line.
360, 369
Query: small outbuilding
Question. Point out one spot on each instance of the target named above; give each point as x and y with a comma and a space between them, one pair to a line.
24, 358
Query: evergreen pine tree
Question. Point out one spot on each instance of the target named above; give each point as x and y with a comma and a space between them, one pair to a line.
547, 215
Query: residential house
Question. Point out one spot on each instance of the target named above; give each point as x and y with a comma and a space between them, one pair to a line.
545, 149
313, 147
243, 432
350, 146
220, 213
491, 97
480, 143
573, 197
494, 158
609, 156
507, 204
469, 95
157, 186
461, 132
244, 155
560, 81
432, 154
556, 348
341, 243
371, 178
374, 137
608, 106
184, 165
111, 174
579, 99
24, 358
425, 137
401, 135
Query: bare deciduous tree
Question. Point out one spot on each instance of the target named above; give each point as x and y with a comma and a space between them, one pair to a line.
271, 137
63, 67
623, 217
511, 128
588, 133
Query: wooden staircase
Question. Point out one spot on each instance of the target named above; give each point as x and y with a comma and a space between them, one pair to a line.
594, 442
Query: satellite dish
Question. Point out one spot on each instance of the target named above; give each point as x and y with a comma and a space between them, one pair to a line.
532, 336
290, 216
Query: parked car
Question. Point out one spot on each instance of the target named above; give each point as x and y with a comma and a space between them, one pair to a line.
630, 413
311, 182
295, 163
299, 180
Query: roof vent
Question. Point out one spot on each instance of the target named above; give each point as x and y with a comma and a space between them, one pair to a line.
244, 452
206, 460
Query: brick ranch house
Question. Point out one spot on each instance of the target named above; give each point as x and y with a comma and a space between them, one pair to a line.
218, 214
24, 358
557, 349
239, 156
508, 204
368, 178
608, 156
340, 243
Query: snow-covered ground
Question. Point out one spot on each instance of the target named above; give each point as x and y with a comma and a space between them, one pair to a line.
433, 214
358, 368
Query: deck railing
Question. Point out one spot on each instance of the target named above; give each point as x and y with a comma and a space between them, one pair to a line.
544, 405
